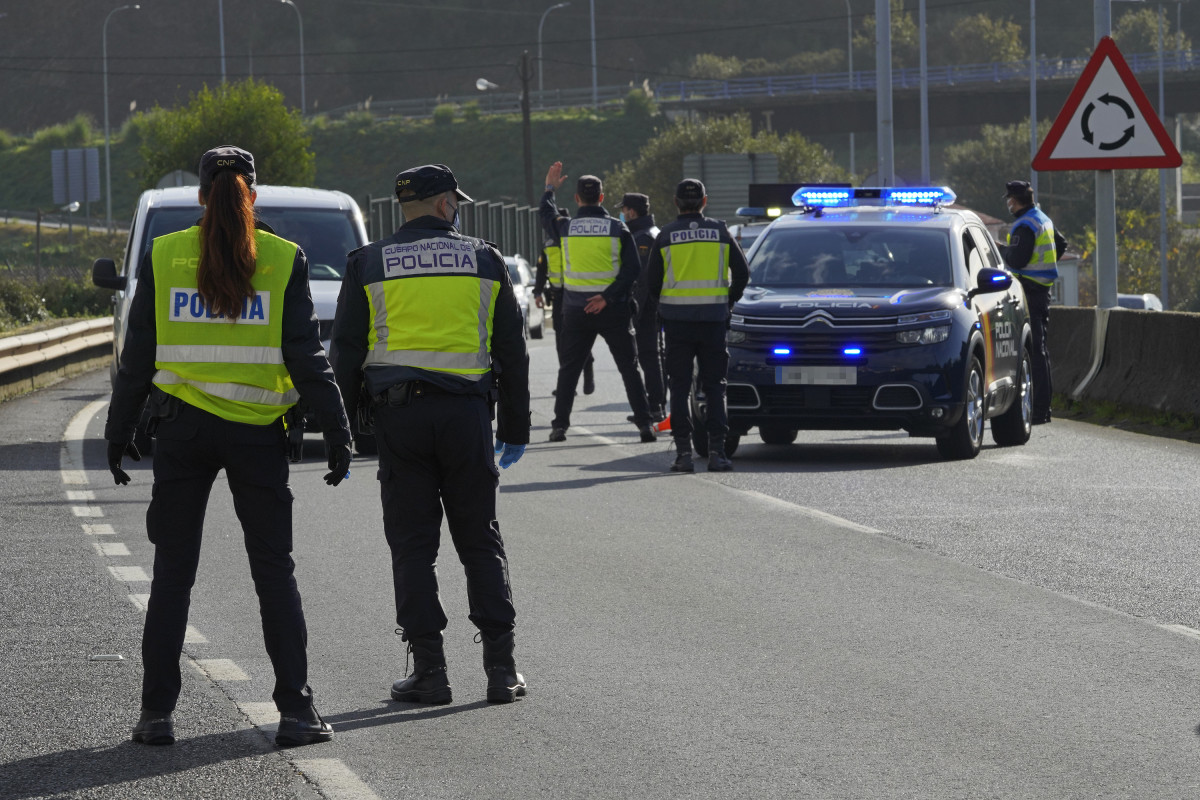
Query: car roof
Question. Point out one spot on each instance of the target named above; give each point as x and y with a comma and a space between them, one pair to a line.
274, 196
892, 216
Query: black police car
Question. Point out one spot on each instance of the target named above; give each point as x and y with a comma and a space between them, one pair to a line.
879, 309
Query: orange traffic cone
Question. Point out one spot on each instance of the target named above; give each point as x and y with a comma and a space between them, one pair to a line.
665, 425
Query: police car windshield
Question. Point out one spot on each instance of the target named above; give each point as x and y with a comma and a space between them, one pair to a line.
326, 235
851, 256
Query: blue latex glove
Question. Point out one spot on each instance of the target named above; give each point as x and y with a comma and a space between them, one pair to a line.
512, 454
499, 447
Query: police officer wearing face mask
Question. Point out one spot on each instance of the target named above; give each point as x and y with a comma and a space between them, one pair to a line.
549, 280
1032, 253
697, 272
223, 339
635, 213
600, 266
427, 320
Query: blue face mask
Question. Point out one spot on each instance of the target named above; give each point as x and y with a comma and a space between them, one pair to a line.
622, 216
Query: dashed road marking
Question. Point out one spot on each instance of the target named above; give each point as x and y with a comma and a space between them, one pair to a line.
335, 779
140, 601
129, 574
98, 529
87, 511
71, 457
111, 548
263, 716
193, 636
222, 669
79, 495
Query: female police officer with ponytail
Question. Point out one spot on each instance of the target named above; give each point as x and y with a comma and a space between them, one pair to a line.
223, 340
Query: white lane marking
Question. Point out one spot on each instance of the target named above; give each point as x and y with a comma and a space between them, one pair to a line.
71, 457
111, 548
598, 436
87, 511
140, 601
86, 494
263, 716
98, 529
335, 779
193, 636
222, 669
1182, 630
805, 510
129, 574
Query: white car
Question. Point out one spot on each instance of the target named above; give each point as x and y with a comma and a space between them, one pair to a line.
522, 278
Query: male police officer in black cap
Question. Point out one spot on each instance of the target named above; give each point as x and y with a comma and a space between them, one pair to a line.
635, 213
549, 280
697, 271
600, 265
414, 320
1032, 253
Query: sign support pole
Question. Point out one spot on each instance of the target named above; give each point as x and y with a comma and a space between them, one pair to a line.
1106, 200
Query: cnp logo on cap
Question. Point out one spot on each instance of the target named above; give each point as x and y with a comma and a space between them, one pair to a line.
418, 183
226, 157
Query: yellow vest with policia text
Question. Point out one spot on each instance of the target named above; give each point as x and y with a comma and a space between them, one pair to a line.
554, 264
229, 367
431, 305
695, 270
591, 253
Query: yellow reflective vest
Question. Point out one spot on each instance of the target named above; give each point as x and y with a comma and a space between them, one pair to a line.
591, 253
554, 263
695, 267
1043, 263
229, 367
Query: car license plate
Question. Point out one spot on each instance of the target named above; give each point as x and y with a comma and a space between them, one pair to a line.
817, 376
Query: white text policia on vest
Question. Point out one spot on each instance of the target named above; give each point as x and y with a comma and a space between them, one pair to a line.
188, 306
430, 255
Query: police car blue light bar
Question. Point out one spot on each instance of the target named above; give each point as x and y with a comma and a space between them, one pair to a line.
838, 197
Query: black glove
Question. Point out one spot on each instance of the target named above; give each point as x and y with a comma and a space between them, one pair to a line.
339, 462
115, 452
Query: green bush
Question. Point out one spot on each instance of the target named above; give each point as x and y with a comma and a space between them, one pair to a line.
444, 114
20, 302
78, 132
471, 111
64, 297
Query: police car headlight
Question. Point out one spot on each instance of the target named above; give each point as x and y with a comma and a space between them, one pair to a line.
735, 337
924, 335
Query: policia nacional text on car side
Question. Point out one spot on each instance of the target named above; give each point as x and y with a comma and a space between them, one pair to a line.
879, 309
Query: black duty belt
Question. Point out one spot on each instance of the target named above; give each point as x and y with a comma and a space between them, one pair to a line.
400, 394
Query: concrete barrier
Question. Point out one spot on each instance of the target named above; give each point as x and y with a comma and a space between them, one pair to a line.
1070, 342
1150, 362
34, 360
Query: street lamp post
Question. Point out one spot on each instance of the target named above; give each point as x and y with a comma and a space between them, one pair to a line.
595, 91
1033, 119
107, 161
924, 96
541, 22
850, 71
221, 33
300, 21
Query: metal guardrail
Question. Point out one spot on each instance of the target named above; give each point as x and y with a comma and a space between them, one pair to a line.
33, 360
514, 229
776, 86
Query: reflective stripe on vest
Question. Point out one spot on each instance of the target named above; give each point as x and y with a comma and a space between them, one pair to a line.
554, 264
1043, 262
231, 368
435, 322
696, 271
591, 258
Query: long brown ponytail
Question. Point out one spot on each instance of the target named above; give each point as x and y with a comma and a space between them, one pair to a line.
227, 245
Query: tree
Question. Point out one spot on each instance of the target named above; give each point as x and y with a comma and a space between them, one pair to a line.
248, 114
1137, 32
659, 164
983, 39
905, 38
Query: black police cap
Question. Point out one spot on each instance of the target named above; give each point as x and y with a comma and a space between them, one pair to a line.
635, 201
690, 189
1021, 190
222, 158
419, 183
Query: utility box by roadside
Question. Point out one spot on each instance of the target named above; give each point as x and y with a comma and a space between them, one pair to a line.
725, 177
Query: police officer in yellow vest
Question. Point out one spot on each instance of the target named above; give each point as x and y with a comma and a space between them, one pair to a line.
696, 272
549, 281
1032, 253
223, 339
600, 266
428, 321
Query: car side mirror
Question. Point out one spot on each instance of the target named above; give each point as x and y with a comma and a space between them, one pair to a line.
104, 274
991, 280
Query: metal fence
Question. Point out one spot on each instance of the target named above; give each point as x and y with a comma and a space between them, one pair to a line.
514, 229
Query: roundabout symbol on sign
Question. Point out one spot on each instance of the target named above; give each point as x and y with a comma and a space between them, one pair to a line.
1089, 136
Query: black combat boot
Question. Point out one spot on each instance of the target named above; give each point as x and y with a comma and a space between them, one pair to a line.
428, 682
298, 728
505, 684
717, 460
683, 457
154, 727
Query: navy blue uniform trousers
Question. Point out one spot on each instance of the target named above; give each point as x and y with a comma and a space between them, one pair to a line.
435, 455
1038, 297
614, 324
189, 452
700, 346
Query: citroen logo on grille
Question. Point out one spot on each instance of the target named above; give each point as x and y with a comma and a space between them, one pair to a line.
817, 316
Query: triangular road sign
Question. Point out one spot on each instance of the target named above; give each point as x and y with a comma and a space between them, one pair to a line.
1107, 122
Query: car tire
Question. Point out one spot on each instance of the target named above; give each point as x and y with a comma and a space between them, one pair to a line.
966, 437
777, 434
1013, 427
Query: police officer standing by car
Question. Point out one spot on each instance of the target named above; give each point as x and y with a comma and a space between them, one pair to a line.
550, 280
697, 272
427, 321
1032, 253
635, 213
223, 339
600, 266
